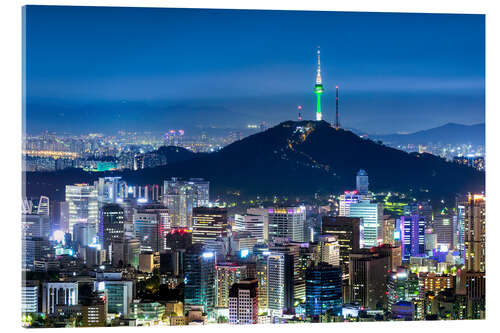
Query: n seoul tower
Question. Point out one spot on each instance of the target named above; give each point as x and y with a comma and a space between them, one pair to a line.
318, 90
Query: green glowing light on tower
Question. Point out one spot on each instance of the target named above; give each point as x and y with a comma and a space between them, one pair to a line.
318, 89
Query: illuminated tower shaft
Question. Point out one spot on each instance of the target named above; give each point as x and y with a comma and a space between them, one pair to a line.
318, 90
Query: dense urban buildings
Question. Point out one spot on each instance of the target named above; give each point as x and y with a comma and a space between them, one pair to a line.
114, 253
151, 228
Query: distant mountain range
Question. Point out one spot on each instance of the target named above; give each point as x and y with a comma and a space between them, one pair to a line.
450, 133
294, 158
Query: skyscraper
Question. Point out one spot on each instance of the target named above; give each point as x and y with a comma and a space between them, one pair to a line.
412, 235
279, 283
209, 223
402, 285
367, 278
323, 290
362, 182
475, 232
287, 222
107, 189
261, 253
444, 230
180, 197
329, 250
35, 225
111, 227
293, 252
347, 232
202, 191
44, 206
318, 90
243, 302
371, 215
345, 201
388, 228
227, 273
199, 279
150, 227
82, 203
252, 223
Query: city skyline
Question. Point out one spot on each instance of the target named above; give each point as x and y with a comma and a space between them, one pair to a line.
202, 167
415, 70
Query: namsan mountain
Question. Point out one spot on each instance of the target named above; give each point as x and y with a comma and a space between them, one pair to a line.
294, 158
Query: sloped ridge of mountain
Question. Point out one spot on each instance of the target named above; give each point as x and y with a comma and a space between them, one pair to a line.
450, 133
299, 158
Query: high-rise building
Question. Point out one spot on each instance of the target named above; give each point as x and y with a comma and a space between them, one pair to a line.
388, 228
202, 191
444, 230
475, 292
126, 252
111, 227
329, 250
371, 215
348, 234
318, 90
151, 224
243, 302
82, 205
199, 279
35, 225
367, 278
422, 209
30, 292
35, 249
83, 235
393, 254
209, 224
261, 253
280, 293
182, 196
402, 285
252, 223
264, 212
412, 235
242, 241
294, 253
323, 290
43, 206
431, 242
345, 201
287, 222
227, 274
475, 233
362, 182
107, 190
460, 222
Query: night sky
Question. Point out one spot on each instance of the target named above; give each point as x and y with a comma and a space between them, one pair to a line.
106, 69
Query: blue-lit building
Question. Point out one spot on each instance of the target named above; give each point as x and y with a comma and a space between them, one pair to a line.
323, 290
199, 279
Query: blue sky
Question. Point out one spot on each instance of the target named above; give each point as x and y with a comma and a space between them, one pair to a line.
91, 69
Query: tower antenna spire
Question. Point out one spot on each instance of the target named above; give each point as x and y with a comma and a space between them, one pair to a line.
318, 75
318, 88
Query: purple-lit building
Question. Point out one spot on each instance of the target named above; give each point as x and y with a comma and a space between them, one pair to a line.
412, 230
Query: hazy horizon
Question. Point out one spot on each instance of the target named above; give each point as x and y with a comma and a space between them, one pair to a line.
105, 69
